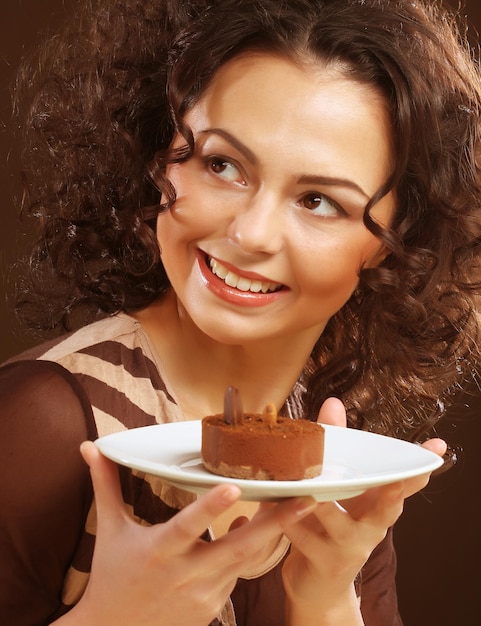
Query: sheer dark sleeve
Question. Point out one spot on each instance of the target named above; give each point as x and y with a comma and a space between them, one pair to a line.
379, 605
45, 488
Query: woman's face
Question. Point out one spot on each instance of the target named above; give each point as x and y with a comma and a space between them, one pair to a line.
266, 238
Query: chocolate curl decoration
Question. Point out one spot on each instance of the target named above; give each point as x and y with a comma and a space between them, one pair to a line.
233, 413
269, 415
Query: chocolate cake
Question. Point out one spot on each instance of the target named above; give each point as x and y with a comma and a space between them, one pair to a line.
260, 446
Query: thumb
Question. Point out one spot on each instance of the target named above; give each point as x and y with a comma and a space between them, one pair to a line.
332, 412
106, 483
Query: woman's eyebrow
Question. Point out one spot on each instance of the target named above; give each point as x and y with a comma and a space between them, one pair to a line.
236, 143
306, 179
333, 181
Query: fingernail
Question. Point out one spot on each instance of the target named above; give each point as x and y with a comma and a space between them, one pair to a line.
85, 450
230, 494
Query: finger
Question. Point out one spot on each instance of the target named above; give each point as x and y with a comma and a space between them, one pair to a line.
188, 525
438, 446
106, 483
305, 536
286, 512
248, 540
380, 505
332, 412
368, 516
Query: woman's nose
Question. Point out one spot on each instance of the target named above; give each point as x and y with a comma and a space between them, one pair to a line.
259, 226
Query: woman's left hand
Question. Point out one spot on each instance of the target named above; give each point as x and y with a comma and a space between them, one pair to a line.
331, 545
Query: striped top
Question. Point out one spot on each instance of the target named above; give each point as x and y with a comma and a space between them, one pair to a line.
102, 379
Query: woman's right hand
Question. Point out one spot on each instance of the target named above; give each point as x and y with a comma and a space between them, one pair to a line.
166, 574
330, 547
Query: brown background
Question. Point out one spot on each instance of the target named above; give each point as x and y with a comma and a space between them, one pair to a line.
438, 537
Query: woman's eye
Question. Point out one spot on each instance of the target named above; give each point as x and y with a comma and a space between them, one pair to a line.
321, 205
225, 169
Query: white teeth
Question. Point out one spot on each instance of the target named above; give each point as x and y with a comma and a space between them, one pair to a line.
218, 269
231, 279
243, 284
240, 282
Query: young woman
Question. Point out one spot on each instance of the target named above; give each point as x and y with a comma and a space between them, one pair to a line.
283, 196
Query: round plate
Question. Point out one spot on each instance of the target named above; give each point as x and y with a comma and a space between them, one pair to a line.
354, 461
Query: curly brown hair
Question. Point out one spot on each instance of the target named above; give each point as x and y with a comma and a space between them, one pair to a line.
106, 100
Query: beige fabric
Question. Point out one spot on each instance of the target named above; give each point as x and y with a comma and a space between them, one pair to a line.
75, 355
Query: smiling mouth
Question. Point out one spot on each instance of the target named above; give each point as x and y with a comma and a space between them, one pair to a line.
241, 282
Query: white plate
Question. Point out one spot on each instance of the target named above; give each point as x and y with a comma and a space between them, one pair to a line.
353, 461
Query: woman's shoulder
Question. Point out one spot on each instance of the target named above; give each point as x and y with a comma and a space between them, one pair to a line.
40, 391
121, 329
116, 366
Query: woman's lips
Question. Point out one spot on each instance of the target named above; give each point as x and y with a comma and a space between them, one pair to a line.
246, 289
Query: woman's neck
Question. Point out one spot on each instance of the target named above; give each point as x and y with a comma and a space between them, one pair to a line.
197, 369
